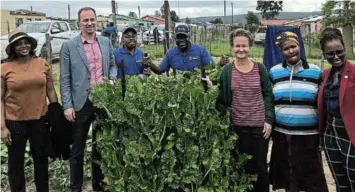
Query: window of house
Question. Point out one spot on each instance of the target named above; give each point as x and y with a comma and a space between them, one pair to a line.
29, 19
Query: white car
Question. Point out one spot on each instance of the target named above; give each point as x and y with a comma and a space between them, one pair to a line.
148, 36
260, 35
38, 30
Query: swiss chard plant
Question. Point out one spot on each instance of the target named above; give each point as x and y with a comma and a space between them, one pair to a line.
166, 135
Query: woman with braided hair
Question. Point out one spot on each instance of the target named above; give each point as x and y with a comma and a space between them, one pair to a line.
295, 163
336, 111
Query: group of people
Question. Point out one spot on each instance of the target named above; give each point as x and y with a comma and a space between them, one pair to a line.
300, 107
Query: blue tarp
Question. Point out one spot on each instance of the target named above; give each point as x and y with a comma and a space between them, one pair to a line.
272, 53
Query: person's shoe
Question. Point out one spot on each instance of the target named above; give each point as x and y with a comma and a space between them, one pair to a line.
99, 187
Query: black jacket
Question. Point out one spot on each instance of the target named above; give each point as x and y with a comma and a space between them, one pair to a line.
60, 132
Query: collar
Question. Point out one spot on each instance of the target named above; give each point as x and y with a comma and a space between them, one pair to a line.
83, 40
305, 64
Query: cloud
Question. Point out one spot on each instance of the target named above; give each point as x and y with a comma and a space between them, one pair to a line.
186, 8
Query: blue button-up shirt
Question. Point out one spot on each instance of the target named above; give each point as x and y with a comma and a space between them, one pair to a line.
133, 62
194, 57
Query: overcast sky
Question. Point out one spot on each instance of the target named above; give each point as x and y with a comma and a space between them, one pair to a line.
195, 8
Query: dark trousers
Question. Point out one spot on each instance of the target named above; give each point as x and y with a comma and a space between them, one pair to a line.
296, 164
340, 154
37, 133
251, 141
83, 120
156, 39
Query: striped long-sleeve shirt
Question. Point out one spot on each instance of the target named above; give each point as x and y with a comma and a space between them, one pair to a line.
295, 93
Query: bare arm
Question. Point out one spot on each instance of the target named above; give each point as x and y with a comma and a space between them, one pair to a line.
3, 90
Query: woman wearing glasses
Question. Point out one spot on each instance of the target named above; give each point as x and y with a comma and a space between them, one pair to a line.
336, 110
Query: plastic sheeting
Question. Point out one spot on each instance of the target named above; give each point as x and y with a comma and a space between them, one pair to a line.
272, 53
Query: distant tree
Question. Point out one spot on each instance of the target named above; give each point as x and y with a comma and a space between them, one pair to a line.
217, 21
132, 14
339, 13
269, 9
157, 13
162, 11
188, 20
174, 17
252, 21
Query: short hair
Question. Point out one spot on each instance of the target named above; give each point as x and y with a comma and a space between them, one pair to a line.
329, 34
240, 32
85, 9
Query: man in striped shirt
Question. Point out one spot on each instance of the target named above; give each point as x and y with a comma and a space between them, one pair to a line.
295, 157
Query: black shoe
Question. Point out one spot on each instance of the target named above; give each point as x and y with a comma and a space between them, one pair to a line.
99, 187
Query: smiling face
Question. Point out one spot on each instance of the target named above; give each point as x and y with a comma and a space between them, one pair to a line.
87, 22
130, 39
241, 47
291, 52
182, 41
334, 52
22, 47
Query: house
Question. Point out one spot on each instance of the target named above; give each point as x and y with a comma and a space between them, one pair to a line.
10, 20
154, 19
273, 22
311, 25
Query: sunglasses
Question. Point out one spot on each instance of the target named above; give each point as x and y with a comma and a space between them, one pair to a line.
331, 55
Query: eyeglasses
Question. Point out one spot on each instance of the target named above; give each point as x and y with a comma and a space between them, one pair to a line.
331, 55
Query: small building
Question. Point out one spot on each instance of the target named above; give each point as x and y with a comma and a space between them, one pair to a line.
311, 25
154, 19
10, 20
267, 22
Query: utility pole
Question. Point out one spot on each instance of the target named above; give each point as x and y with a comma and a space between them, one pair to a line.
179, 8
113, 6
68, 11
116, 8
225, 12
232, 11
31, 10
139, 12
167, 24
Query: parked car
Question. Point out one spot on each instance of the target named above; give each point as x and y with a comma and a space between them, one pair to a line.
38, 30
260, 35
148, 36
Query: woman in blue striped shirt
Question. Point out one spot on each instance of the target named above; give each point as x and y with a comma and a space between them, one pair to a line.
295, 158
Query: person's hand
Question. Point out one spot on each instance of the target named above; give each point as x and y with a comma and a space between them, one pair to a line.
224, 60
147, 71
6, 135
70, 114
267, 130
147, 62
209, 82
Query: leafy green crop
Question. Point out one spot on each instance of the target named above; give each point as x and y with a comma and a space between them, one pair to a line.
167, 136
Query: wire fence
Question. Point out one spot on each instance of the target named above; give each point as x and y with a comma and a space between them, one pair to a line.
214, 38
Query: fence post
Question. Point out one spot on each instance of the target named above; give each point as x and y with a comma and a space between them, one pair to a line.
48, 49
8, 27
